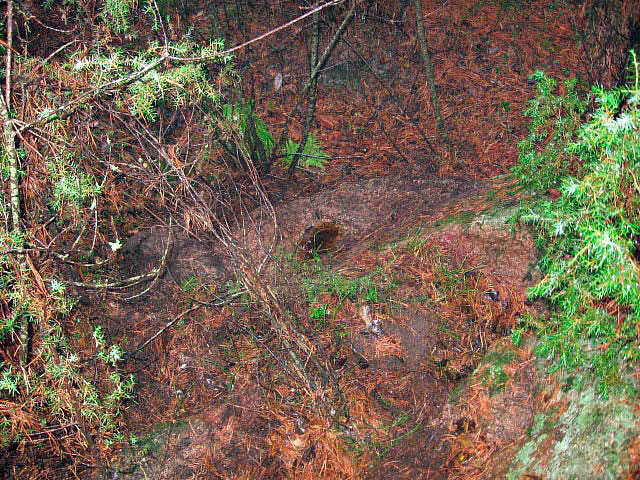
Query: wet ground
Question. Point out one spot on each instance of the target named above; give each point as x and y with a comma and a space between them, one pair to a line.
411, 289
407, 310
443, 291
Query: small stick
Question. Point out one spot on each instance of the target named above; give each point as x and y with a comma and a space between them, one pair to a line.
163, 329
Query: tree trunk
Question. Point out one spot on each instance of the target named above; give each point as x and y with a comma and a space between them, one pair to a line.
9, 144
428, 70
313, 89
314, 75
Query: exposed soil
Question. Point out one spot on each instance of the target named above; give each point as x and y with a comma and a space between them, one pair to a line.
398, 358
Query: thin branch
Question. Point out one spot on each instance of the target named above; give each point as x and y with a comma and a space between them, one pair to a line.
163, 329
8, 132
7, 91
260, 37
165, 57
223, 301
9, 140
162, 268
12, 154
29, 16
311, 108
165, 37
118, 284
53, 54
72, 104
393, 96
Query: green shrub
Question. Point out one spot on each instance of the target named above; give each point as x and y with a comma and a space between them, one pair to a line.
258, 142
555, 119
589, 235
55, 388
312, 155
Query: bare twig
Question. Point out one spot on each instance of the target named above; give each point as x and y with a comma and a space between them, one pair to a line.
51, 55
7, 91
119, 284
163, 329
398, 102
12, 154
9, 141
311, 108
259, 37
154, 274
177, 318
71, 105
29, 16
162, 268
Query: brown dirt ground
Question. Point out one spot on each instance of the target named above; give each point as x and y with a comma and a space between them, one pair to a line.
451, 293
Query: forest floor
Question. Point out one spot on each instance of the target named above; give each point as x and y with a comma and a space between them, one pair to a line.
208, 376
374, 112
374, 119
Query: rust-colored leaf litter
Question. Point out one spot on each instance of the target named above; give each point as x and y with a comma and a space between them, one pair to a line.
212, 400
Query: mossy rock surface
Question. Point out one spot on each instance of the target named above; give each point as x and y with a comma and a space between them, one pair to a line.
578, 435
542, 425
